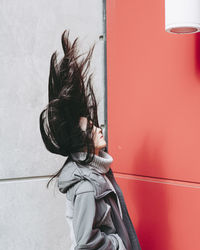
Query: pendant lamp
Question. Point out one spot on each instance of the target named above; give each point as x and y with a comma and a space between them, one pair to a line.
182, 16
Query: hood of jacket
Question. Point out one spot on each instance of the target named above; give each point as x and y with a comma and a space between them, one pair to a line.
73, 174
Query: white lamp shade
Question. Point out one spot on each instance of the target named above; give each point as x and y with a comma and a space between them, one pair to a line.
182, 16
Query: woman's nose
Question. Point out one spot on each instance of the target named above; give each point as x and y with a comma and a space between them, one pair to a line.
100, 130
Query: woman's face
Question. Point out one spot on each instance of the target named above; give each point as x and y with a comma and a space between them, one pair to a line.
98, 139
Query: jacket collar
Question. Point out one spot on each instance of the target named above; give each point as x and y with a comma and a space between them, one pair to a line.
100, 163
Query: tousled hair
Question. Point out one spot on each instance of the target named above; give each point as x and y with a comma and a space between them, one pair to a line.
71, 96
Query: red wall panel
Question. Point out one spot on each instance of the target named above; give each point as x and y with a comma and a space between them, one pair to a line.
153, 93
165, 214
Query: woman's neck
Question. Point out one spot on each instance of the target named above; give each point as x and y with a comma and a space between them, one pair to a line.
97, 151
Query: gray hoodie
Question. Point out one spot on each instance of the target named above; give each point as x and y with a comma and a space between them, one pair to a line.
93, 208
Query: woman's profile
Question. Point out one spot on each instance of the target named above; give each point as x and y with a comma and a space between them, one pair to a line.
95, 206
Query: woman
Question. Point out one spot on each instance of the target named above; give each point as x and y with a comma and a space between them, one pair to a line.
95, 207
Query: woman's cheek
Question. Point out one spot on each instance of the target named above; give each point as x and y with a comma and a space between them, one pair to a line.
95, 142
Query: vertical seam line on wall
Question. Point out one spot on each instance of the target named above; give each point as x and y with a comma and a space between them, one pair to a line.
105, 72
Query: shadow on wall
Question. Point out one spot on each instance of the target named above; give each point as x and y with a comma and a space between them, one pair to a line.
197, 54
152, 200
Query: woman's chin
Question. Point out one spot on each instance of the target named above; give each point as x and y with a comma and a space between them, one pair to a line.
103, 145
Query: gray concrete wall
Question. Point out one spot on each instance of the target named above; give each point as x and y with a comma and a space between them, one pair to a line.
31, 216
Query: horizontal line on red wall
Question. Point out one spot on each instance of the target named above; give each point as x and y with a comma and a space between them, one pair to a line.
158, 180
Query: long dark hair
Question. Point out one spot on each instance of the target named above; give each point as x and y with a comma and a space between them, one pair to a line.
71, 96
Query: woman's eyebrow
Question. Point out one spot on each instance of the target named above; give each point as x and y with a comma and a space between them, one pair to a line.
89, 123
